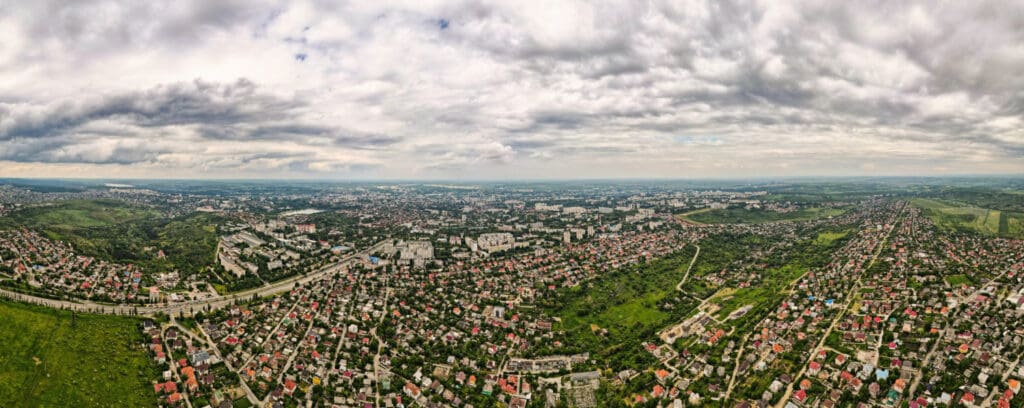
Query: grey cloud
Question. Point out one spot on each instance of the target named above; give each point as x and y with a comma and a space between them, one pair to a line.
166, 105
460, 155
234, 111
784, 66
82, 150
301, 133
574, 81
104, 26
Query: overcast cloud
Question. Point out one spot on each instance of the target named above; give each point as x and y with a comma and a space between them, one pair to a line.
477, 89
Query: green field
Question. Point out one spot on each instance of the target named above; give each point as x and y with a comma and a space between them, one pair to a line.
115, 231
629, 304
828, 237
958, 280
957, 216
998, 199
50, 359
776, 279
757, 216
687, 216
635, 303
775, 282
72, 215
627, 297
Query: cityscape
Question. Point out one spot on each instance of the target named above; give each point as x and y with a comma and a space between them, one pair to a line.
860, 293
511, 204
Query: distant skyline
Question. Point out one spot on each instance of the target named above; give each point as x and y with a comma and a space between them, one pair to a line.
477, 90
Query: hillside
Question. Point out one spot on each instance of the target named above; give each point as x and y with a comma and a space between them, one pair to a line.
50, 358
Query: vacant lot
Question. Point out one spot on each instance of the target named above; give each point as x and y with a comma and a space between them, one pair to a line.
957, 216
630, 304
49, 358
758, 216
958, 280
828, 237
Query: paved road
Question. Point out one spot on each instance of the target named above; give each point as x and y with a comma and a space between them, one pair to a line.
342, 340
839, 316
216, 351
174, 367
938, 340
211, 303
380, 346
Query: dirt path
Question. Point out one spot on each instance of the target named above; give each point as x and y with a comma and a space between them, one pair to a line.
679, 287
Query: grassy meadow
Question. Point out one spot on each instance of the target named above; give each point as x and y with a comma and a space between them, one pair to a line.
758, 216
957, 216
629, 304
50, 359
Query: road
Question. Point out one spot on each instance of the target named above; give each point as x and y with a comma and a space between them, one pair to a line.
679, 287
270, 336
343, 340
380, 345
938, 340
291, 358
174, 367
216, 351
736, 368
839, 316
189, 307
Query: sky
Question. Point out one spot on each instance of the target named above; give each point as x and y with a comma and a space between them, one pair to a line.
457, 89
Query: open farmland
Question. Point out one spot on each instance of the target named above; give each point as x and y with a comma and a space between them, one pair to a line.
758, 216
956, 216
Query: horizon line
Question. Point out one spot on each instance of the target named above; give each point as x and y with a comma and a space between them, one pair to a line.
528, 180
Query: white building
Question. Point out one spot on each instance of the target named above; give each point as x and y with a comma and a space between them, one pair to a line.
496, 242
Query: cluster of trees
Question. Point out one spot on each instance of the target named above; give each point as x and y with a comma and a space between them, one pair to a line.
118, 232
986, 198
652, 281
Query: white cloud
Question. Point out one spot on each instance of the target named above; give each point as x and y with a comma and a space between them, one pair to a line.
486, 89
